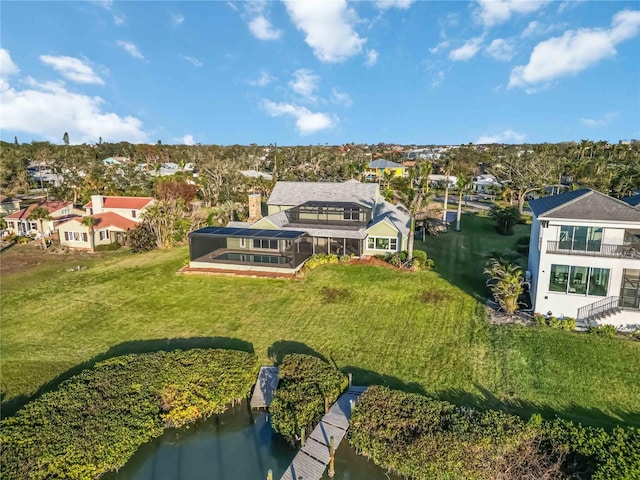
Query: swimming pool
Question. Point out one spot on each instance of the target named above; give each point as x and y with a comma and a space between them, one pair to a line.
253, 258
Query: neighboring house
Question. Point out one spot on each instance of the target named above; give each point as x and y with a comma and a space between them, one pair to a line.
256, 174
130, 208
584, 258
8, 205
485, 184
377, 168
305, 218
19, 223
109, 228
115, 161
436, 179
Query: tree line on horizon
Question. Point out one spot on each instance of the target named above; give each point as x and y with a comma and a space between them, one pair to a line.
613, 169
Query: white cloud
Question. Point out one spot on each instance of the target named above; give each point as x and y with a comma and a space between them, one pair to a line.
340, 98
599, 122
47, 109
72, 68
386, 4
177, 19
262, 29
500, 49
442, 45
131, 49
193, 61
438, 79
106, 4
328, 28
232, 6
7, 67
508, 136
532, 29
574, 51
118, 20
494, 12
305, 84
188, 140
307, 122
372, 58
466, 51
263, 80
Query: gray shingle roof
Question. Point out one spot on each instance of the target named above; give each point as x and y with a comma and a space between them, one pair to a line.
394, 214
585, 204
382, 163
297, 193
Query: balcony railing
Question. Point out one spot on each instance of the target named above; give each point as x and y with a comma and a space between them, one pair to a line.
594, 249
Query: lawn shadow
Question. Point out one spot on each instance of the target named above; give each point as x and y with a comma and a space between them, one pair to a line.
282, 348
487, 400
369, 377
11, 406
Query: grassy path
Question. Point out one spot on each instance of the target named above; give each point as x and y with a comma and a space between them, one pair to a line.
422, 332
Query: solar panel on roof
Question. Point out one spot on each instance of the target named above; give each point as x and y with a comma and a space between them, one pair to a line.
248, 232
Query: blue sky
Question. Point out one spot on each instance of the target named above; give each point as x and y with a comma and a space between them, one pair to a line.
309, 72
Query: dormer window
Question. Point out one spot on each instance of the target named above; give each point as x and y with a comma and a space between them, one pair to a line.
133, 214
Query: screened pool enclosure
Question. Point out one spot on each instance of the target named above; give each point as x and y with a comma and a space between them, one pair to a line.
244, 248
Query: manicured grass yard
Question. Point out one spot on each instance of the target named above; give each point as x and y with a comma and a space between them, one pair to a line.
415, 331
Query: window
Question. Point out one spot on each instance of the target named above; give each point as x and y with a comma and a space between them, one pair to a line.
243, 242
104, 234
389, 244
580, 238
351, 214
265, 243
75, 236
133, 214
579, 280
65, 211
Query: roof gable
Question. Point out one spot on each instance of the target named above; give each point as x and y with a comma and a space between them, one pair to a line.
51, 207
585, 204
383, 163
130, 203
297, 193
108, 220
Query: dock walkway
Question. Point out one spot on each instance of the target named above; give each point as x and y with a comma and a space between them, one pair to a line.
312, 459
265, 386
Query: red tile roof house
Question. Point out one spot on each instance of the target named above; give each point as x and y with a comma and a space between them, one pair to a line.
20, 224
114, 216
109, 228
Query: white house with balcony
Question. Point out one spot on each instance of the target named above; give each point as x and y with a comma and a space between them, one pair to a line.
584, 258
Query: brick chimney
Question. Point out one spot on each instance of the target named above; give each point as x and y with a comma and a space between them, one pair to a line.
96, 204
255, 207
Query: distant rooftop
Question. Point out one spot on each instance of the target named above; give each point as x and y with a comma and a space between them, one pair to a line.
297, 193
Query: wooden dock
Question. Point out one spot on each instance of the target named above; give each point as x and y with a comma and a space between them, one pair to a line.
312, 459
265, 386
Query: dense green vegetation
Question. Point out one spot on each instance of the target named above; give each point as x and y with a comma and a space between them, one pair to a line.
306, 383
97, 419
415, 331
422, 438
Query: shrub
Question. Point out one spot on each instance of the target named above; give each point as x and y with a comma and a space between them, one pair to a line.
540, 320
97, 419
422, 438
554, 322
110, 247
608, 331
635, 335
320, 259
506, 218
568, 324
298, 402
345, 258
142, 239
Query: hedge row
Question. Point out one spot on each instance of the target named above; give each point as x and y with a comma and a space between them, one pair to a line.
299, 400
97, 419
422, 438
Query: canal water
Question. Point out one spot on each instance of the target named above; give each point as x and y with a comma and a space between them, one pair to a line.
237, 445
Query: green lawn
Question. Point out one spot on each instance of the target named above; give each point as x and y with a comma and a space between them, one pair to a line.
418, 331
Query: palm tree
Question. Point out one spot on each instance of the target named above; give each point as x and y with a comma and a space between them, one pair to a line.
40, 214
447, 172
418, 194
505, 282
462, 185
90, 222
